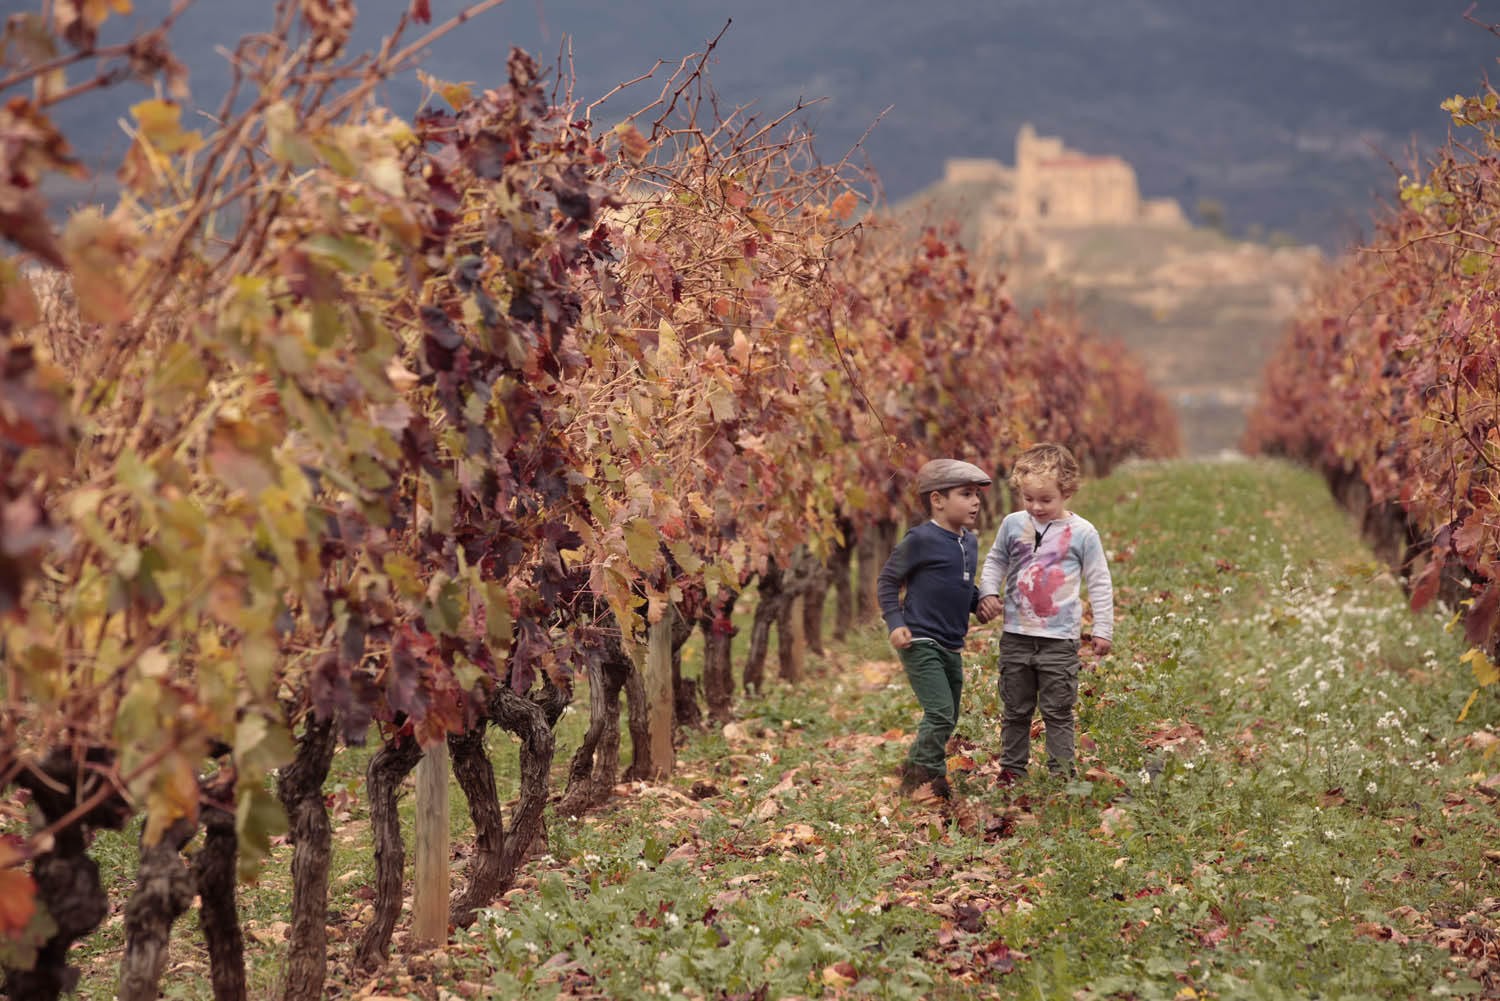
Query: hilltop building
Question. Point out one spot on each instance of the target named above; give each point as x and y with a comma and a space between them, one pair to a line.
1052, 186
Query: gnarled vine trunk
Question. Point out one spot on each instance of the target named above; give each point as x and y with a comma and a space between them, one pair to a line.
685, 709
67, 880
300, 788
843, 587
529, 721
869, 560
767, 612
796, 582
163, 890
596, 763
716, 619
214, 874
390, 765
639, 723
476, 777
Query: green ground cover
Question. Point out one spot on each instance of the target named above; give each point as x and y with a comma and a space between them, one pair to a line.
1278, 801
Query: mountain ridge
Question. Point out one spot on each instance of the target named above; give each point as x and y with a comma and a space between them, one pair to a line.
1286, 119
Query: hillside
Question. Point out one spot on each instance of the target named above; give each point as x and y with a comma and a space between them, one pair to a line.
1201, 311
1287, 118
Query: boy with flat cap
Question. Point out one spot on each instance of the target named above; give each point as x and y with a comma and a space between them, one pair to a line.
936, 564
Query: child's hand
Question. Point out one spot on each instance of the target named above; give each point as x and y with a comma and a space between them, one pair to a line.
1101, 645
990, 607
901, 637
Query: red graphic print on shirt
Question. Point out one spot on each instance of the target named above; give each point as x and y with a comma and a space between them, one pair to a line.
1041, 579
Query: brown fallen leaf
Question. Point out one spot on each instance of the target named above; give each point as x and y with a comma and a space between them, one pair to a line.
840, 974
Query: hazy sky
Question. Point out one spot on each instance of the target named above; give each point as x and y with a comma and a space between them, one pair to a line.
1281, 109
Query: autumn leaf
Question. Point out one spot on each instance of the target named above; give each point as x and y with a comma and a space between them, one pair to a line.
173, 796
97, 249
160, 124
642, 544
17, 892
1485, 672
236, 461
840, 974
78, 21
23, 221
635, 146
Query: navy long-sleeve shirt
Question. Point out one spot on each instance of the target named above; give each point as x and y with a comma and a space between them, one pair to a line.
938, 568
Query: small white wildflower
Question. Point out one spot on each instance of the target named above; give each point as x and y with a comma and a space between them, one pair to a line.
1330, 835
1372, 788
1190, 765
531, 947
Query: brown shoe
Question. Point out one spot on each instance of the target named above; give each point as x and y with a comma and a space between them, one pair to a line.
913, 776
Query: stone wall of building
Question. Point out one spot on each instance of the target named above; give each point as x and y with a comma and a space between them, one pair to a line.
1052, 185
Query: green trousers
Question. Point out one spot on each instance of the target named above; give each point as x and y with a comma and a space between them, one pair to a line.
937, 677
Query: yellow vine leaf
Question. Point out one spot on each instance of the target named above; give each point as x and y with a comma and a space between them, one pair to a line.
1485, 672
161, 125
641, 543
173, 795
456, 94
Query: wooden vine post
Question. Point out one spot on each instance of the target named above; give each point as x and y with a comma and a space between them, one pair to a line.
659, 696
429, 924
795, 624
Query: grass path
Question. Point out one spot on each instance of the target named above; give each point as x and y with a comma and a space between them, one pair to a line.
1278, 802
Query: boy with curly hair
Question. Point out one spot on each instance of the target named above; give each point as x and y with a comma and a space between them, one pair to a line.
1043, 557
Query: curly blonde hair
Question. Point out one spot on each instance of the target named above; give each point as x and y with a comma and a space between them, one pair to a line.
1050, 460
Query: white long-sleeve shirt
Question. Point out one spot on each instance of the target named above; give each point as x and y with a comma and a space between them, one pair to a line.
1043, 570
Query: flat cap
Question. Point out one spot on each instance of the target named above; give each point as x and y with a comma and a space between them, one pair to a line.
945, 474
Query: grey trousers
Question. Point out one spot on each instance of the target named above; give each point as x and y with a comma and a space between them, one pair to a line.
937, 678
1037, 671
